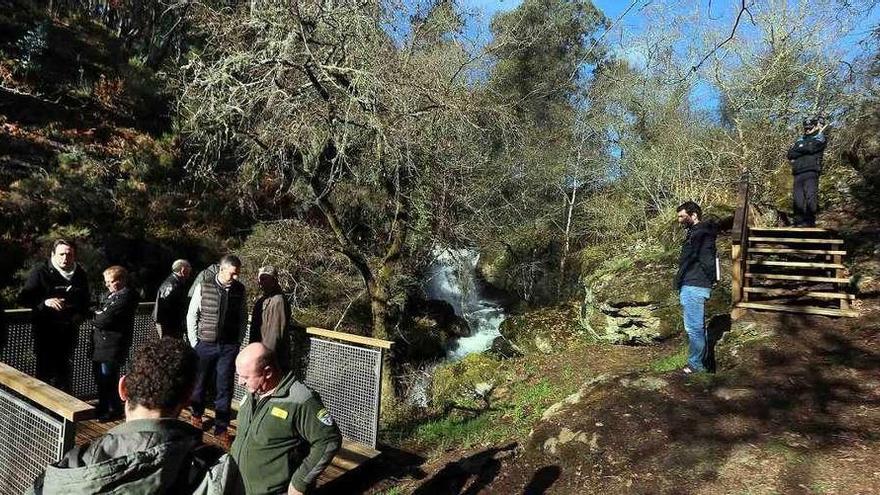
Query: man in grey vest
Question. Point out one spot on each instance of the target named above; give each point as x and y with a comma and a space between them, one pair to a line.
216, 324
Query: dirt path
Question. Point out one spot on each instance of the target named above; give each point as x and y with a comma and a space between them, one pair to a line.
794, 409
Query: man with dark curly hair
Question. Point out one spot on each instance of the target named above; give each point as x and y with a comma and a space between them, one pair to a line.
153, 451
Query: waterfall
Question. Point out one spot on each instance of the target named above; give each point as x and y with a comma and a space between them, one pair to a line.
452, 277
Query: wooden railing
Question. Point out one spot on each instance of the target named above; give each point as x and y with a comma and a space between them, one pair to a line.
38, 425
739, 243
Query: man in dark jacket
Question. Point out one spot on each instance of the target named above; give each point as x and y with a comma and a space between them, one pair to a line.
170, 310
270, 319
111, 339
806, 165
153, 451
286, 437
694, 280
216, 324
58, 294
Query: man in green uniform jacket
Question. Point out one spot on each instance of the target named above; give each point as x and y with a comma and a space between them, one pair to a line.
285, 435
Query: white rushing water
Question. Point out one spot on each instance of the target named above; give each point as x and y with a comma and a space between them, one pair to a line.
452, 277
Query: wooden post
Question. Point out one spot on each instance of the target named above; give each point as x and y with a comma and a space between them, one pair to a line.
840, 273
739, 250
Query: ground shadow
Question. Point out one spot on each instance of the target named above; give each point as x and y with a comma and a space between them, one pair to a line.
716, 328
392, 464
542, 480
467, 476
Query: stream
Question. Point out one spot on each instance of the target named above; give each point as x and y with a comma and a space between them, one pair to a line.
452, 277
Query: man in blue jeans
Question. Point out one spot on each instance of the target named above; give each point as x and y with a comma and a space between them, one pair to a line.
695, 278
216, 323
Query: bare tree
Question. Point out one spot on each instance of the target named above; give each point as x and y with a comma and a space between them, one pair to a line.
319, 99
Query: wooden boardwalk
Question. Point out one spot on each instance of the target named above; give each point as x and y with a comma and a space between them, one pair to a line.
350, 457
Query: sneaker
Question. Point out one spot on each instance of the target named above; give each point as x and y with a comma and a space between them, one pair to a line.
196, 421
225, 439
687, 370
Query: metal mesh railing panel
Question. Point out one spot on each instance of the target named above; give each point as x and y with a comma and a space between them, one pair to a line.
348, 380
18, 351
30, 439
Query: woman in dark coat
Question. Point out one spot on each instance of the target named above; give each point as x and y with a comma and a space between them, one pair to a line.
111, 340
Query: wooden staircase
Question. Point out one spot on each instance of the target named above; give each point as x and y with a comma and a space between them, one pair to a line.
796, 270
787, 269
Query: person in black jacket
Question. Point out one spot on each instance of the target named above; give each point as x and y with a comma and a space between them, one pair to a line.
694, 280
111, 340
58, 294
806, 165
171, 301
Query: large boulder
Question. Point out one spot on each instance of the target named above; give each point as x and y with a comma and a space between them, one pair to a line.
428, 330
629, 302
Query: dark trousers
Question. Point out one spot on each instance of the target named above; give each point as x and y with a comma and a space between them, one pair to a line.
217, 359
107, 380
806, 198
53, 347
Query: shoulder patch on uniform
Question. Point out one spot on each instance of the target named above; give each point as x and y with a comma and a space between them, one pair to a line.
279, 413
324, 416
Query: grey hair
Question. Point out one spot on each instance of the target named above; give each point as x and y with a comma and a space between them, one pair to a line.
178, 264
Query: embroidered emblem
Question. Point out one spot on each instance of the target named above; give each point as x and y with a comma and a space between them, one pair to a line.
279, 413
324, 417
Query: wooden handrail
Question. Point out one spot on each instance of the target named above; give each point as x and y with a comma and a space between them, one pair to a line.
739, 245
349, 337
741, 216
45, 395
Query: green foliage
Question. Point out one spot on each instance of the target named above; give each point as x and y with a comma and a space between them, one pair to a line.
466, 382
671, 362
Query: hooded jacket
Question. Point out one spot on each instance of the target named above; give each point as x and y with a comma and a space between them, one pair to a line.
696, 266
144, 456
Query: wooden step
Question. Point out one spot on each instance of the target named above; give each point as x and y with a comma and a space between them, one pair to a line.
810, 310
789, 229
796, 240
804, 278
798, 293
763, 250
797, 264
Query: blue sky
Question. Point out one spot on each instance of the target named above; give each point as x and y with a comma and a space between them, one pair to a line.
635, 21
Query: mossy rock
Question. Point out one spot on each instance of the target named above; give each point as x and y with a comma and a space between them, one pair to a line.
463, 383
534, 330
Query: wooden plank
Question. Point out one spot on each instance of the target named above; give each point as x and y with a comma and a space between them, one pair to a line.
796, 240
47, 396
349, 337
799, 293
844, 303
805, 278
796, 264
810, 310
764, 250
791, 229
736, 272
